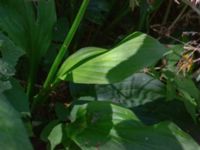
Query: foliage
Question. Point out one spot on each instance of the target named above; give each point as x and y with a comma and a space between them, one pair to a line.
126, 92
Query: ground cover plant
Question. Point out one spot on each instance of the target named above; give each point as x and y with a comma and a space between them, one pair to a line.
98, 74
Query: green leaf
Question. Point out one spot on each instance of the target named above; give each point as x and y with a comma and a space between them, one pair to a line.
136, 90
10, 52
5, 85
29, 24
170, 90
15, 23
55, 136
44, 25
17, 97
188, 86
102, 125
189, 94
12, 90
53, 133
6, 70
173, 56
77, 59
27, 28
133, 91
13, 135
118, 63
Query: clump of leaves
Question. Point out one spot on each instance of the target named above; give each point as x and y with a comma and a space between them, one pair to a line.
86, 124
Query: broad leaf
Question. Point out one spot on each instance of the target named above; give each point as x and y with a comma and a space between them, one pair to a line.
6, 70
27, 28
118, 63
77, 59
173, 56
52, 133
13, 135
189, 95
136, 90
17, 97
187, 85
15, 18
133, 91
44, 26
5, 85
10, 52
184, 89
102, 125
55, 136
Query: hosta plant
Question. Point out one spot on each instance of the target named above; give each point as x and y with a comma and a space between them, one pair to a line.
26, 29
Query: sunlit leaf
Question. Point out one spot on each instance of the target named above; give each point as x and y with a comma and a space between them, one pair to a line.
118, 63
102, 125
53, 134
77, 59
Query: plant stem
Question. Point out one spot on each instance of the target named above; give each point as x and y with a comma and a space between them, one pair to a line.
66, 44
30, 84
177, 18
32, 76
167, 13
41, 97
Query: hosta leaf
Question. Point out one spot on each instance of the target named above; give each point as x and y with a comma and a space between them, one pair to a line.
187, 85
29, 24
102, 125
52, 133
189, 94
55, 136
118, 63
9, 57
133, 91
27, 29
5, 85
77, 59
6, 70
15, 18
44, 25
17, 97
13, 135
10, 52
136, 90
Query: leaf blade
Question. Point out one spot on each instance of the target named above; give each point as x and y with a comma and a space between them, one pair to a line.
120, 62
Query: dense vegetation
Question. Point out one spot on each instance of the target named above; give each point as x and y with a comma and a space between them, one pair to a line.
99, 74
